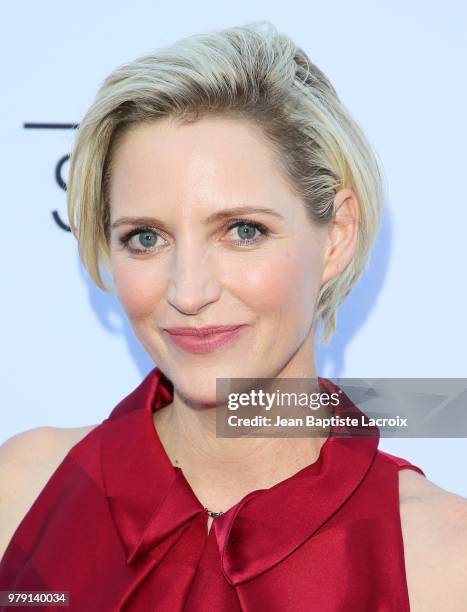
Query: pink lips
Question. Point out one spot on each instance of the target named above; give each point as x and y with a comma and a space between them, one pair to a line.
204, 339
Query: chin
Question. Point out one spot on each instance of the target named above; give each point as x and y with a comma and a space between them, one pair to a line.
200, 395
199, 385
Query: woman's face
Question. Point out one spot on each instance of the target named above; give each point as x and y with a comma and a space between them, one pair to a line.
191, 263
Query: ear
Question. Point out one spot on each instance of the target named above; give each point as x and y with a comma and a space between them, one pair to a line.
342, 234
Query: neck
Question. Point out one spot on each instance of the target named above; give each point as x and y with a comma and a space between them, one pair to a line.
221, 471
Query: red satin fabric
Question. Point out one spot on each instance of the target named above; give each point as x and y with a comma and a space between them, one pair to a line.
119, 527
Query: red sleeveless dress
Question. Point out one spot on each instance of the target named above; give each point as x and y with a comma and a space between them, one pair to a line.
119, 528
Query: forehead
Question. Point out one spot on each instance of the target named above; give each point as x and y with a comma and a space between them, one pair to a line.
212, 138
213, 162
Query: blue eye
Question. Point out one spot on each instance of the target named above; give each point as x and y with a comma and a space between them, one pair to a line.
247, 231
146, 238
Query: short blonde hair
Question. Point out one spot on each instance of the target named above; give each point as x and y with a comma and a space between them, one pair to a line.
254, 73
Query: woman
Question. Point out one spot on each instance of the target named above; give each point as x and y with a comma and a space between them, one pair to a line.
223, 185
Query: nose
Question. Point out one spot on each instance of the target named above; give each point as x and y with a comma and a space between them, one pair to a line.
193, 282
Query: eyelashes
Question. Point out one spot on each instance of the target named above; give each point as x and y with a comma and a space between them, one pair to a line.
152, 235
125, 240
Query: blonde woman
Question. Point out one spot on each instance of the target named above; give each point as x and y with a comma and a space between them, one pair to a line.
234, 202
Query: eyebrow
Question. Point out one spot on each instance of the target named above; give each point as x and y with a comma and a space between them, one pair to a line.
217, 216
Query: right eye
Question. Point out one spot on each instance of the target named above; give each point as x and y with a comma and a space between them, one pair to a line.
140, 240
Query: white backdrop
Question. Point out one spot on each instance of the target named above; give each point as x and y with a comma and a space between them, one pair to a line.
69, 354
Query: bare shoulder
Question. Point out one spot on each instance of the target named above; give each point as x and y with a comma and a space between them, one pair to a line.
434, 530
27, 461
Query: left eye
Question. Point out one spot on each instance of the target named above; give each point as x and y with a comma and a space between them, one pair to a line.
247, 230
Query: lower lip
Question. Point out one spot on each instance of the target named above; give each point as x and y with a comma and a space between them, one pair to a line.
207, 343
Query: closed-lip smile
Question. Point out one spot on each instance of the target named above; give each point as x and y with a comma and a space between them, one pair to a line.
204, 339
201, 331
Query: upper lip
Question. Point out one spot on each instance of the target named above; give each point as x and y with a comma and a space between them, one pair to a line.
201, 331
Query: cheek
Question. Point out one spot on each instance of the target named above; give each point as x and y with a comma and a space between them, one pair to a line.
286, 279
136, 288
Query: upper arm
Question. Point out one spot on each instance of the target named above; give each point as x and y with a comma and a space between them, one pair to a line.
456, 551
434, 529
27, 461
